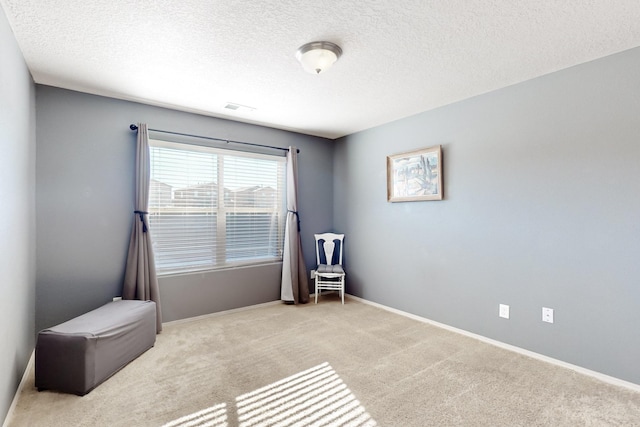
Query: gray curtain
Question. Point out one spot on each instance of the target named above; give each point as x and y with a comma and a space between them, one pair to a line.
294, 287
140, 281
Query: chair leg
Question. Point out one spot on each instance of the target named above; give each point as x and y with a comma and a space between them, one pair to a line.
316, 278
342, 283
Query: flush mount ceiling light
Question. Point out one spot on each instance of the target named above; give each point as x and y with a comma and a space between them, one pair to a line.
317, 57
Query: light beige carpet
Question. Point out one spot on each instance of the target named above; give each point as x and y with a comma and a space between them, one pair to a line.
330, 365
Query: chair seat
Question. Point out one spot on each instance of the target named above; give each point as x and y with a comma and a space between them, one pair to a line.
335, 269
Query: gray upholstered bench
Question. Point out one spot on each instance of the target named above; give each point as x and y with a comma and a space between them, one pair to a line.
78, 355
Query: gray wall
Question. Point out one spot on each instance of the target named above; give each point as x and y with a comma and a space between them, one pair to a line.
17, 216
85, 183
541, 208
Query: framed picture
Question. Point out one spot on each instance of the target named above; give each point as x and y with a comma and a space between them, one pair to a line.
415, 176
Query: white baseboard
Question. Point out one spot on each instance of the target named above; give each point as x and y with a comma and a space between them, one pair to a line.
21, 386
221, 313
594, 374
233, 310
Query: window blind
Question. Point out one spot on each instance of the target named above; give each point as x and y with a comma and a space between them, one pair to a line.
213, 208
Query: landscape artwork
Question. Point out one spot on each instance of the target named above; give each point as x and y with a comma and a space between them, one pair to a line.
415, 176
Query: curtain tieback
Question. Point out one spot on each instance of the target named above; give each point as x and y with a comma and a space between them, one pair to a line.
297, 218
144, 224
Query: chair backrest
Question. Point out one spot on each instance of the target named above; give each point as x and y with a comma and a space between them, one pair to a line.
329, 248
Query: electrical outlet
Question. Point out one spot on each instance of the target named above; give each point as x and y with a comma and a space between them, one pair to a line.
547, 315
503, 311
312, 275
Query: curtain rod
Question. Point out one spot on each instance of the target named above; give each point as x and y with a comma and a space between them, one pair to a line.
135, 127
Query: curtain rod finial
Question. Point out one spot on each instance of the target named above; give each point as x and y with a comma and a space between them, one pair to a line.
133, 127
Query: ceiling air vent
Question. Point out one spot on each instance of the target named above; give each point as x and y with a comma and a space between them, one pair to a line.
237, 107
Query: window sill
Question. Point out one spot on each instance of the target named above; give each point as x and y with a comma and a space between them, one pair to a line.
227, 267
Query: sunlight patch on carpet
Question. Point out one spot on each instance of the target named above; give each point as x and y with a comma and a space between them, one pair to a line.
316, 396
215, 416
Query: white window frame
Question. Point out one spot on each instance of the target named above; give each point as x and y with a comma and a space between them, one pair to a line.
221, 210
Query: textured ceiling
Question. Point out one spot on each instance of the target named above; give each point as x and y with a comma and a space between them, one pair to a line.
400, 57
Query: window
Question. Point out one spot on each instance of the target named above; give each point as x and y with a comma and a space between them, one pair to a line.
213, 208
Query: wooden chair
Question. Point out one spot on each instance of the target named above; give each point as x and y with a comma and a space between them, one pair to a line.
329, 274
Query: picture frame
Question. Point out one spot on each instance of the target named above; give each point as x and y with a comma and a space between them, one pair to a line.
415, 176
